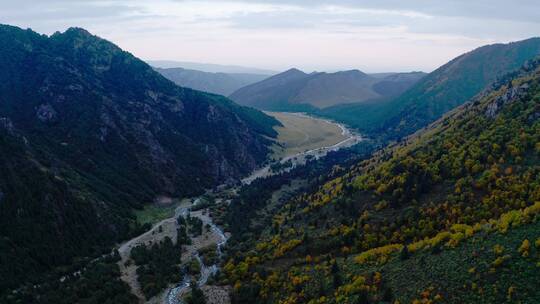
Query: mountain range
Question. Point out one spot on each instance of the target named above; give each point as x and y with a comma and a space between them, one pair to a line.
452, 215
217, 83
294, 89
89, 133
446, 211
440, 91
209, 67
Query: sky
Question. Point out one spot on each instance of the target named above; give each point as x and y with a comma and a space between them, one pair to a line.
373, 36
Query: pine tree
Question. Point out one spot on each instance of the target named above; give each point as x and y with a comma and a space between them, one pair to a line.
404, 254
336, 276
197, 296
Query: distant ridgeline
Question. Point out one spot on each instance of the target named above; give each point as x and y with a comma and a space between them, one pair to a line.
217, 83
389, 106
87, 133
452, 215
294, 90
435, 94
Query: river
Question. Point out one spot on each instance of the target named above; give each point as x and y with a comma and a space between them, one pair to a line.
174, 294
352, 138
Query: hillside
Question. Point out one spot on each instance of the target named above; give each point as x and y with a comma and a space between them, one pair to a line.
296, 90
451, 215
88, 132
440, 91
217, 83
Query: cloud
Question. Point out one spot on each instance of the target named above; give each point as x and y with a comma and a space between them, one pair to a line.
51, 15
522, 10
311, 34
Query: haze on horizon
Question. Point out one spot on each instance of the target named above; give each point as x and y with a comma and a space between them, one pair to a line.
373, 36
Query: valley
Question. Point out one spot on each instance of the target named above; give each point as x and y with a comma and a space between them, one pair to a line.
301, 137
445, 216
301, 132
133, 181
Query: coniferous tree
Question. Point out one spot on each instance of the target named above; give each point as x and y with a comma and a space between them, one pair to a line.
197, 296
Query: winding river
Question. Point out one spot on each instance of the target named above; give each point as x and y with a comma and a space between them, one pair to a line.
174, 294
352, 138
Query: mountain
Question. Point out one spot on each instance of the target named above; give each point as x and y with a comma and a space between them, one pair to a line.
451, 215
394, 84
217, 83
88, 133
209, 67
456, 82
273, 92
294, 89
442, 90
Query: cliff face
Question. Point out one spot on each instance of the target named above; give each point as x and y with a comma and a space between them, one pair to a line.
88, 132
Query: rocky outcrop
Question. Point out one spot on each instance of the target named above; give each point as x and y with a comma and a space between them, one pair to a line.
6, 124
510, 95
46, 113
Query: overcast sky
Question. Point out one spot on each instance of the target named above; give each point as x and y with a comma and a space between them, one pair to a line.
373, 36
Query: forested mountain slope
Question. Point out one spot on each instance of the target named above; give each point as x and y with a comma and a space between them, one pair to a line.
87, 133
449, 216
440, 91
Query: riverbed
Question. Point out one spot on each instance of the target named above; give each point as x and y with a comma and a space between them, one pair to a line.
349, 138
175, 294
214, 234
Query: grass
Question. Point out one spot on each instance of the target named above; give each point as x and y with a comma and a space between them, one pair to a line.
301, 133
153, 213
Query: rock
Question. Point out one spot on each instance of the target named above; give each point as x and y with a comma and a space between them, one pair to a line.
176, 105
75, 87
6, 124
492, 109
212, 113
512, 94
103, 131
533, 117
153, 95
46, 113
60, 98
